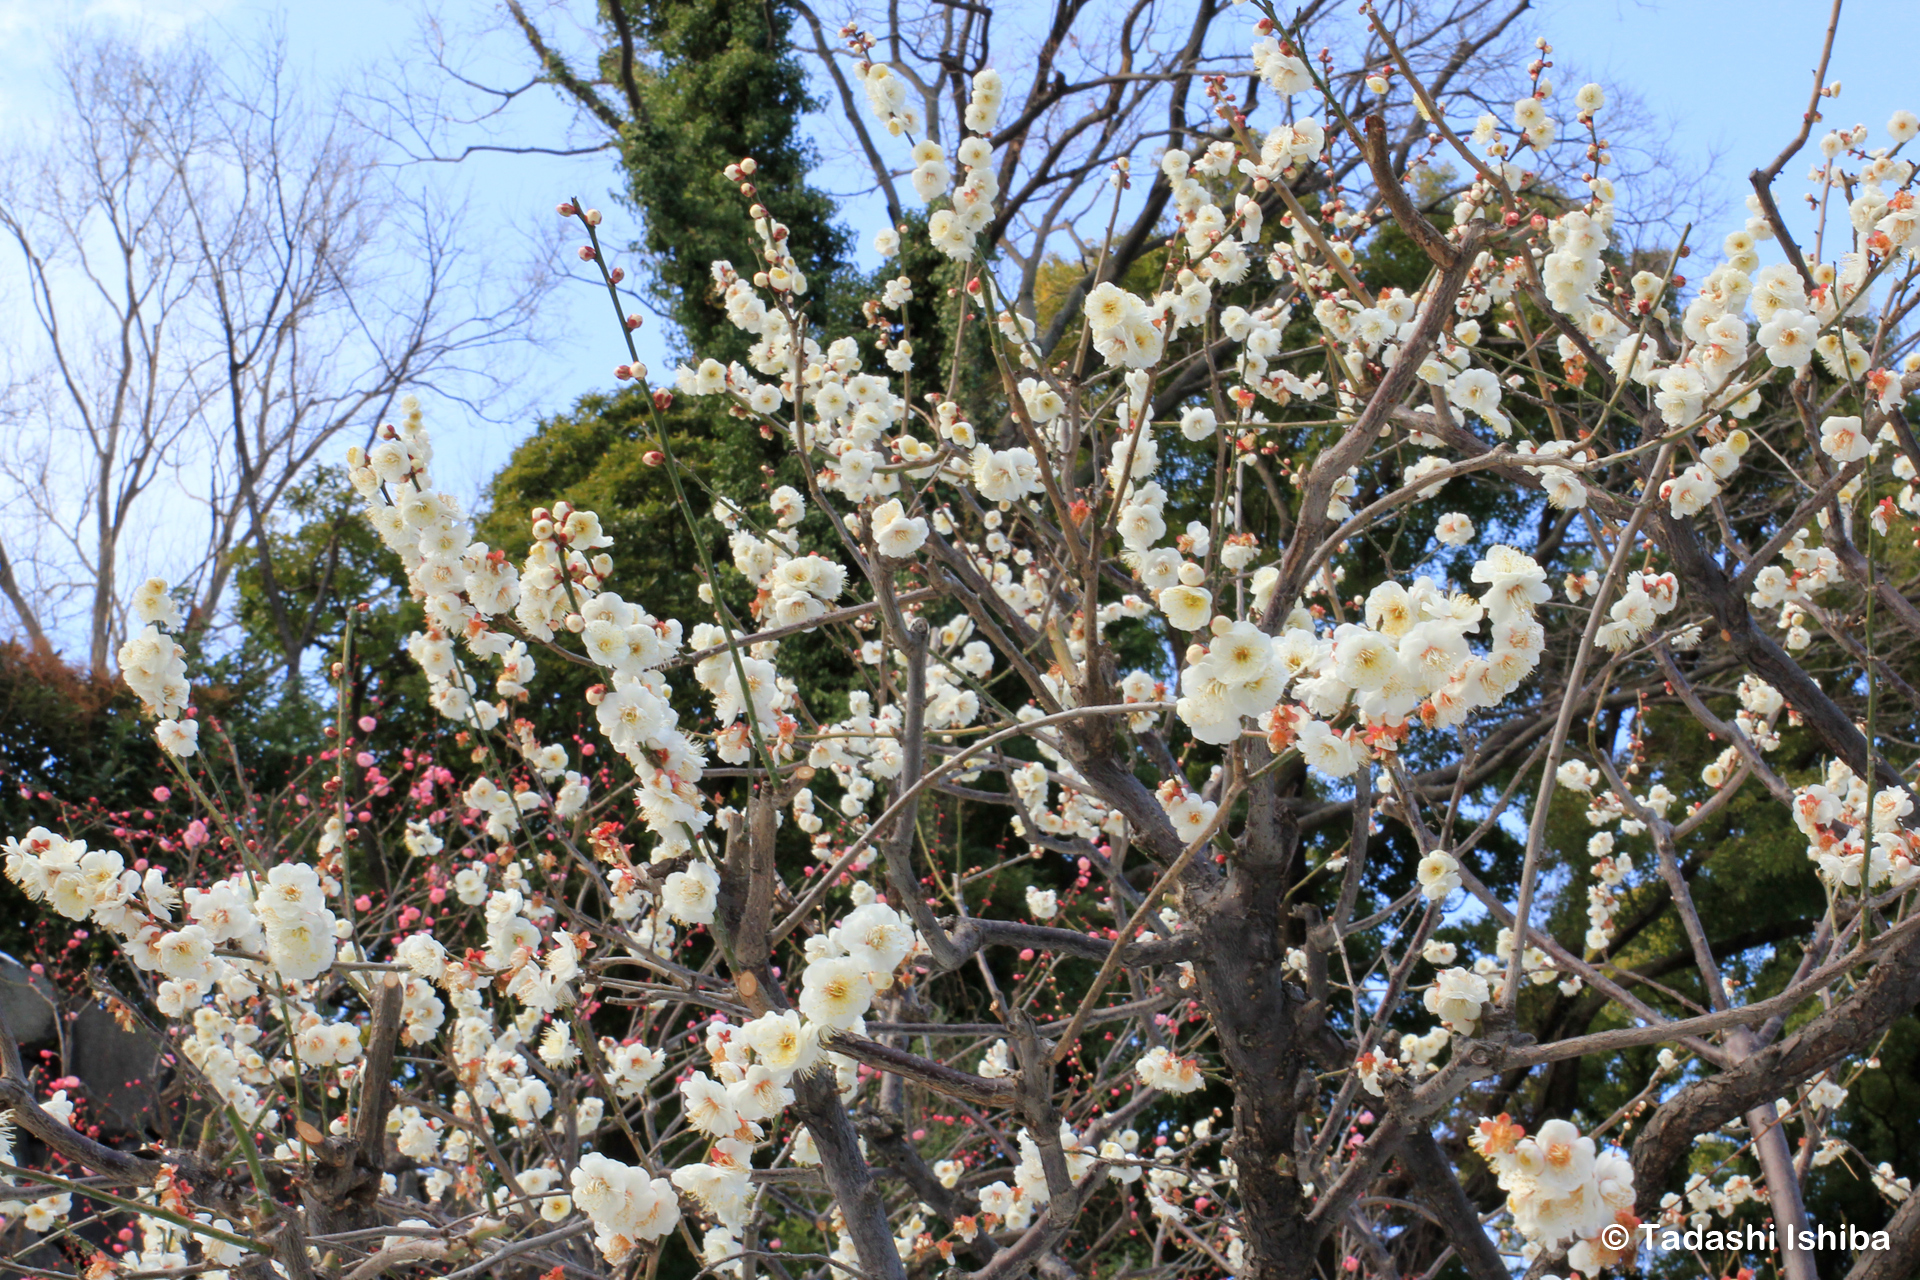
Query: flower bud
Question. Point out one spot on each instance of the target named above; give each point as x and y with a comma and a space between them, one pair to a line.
593, 217
617, 274
576, 623
634, 322
749, 165
586, 253
542, 530
653, 457
756, 212
663, 400
623, 372
565, 209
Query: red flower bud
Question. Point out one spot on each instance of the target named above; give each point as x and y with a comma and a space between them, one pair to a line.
663, 400
653, 457
586, 253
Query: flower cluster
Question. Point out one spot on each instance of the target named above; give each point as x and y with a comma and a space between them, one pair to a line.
1409, 659
154, 667
1561, 1187
1225, 589
1161, 1069
625, 1204
1854, 846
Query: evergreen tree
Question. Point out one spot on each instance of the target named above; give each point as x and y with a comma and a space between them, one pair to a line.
725, 83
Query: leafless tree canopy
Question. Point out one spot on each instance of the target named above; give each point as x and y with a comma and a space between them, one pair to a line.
221, 281
1099, 81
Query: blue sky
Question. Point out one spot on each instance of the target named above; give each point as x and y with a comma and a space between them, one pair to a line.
1730, 77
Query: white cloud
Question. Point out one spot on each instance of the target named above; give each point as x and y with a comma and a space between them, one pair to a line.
30, 31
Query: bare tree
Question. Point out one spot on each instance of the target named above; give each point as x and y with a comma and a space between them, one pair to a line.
222, 280
1108, 81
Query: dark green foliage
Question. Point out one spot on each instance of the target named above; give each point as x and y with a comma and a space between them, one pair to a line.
1881, 1118
719, 81
328, 561
63, 735
595, 458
